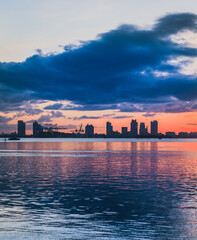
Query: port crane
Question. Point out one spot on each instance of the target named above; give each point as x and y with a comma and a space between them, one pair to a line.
80, 130
50, 128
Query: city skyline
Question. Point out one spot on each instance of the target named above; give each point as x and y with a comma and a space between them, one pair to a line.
137, 129
130, 123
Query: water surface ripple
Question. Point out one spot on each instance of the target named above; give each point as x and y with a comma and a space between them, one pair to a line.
98, 190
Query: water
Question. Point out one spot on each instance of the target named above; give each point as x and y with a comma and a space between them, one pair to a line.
98, 189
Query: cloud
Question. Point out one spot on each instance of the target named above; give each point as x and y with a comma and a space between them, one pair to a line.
44, 118
32, 111
174, 23
127, 107
127, 69
194, 106
99, 117
192, 124
31, 121
120, 117
26, 110
108, 115
48, 118
55, 106
7, 127
57, 114
149, 115
90, 107
4, 119
87, 117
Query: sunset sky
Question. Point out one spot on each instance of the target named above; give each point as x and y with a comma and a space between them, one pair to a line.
87, 61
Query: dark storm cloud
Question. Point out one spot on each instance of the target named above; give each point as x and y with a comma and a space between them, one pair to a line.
115, 69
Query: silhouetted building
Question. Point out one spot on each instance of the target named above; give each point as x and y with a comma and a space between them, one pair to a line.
37, 129
183, 134
170, 134
109, 129
21, 128
134, 128
143, 129
89, 130
193, 134
115, 134
154, 127
124, 131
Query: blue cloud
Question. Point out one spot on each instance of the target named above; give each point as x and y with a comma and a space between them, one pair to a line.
194, 106
115, 69
55, 106
4, 119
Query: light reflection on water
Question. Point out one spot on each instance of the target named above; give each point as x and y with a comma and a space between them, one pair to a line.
98, 190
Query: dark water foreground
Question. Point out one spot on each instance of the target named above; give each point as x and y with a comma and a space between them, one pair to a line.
98, 190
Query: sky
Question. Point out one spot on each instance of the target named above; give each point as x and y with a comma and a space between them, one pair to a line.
88, 61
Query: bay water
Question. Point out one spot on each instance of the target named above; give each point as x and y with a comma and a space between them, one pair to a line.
98, 189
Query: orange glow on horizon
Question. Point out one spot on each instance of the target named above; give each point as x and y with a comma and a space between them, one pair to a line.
173, 122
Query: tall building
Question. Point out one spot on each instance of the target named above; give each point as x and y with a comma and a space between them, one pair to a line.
109, 129
124, 131
37, 129
154, 127
134, 128
21, 128
143, 129
89, 130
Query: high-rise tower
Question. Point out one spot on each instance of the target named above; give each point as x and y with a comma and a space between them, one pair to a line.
21, 128
154, 127
134, 128
109, 129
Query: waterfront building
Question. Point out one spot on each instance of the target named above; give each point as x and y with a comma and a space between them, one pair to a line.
170, 134
89, 130
37, 129
183, 134
143, 129
154, 127
124, 131
134, 128
21, 128
109, 129
193, 134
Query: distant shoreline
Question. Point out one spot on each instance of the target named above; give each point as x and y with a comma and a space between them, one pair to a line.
84, 137
131, 140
